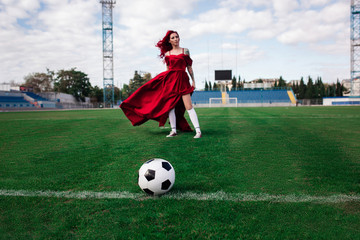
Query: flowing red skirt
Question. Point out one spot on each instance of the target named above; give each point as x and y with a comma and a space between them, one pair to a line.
156, 98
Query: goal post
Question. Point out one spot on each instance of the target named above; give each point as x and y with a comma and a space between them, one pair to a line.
223, 102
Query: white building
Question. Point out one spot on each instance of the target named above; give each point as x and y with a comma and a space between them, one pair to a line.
5, 87
354, 88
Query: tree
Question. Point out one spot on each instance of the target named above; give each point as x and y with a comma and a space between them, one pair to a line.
339, 89
297, 87
294, 88
73, 82
309, 94
282, 82
40, 82
316, 89
147, 77
239, 84
206, 86
134, 83
97, 94
321, 88
331, 90
125, 92
233, 82
137, 81
117, 93
302, 89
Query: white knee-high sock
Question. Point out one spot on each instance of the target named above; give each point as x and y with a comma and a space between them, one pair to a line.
172, 119
194, 119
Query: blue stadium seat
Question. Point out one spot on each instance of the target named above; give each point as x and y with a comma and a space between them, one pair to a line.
260, 96
9, 99
16, 101
244, 96
202, 97
35, 96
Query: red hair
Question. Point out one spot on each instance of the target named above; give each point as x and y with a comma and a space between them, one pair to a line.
164, 44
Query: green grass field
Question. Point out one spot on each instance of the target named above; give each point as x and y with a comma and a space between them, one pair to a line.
257, 173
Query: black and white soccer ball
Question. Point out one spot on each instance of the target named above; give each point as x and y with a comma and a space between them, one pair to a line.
156, 176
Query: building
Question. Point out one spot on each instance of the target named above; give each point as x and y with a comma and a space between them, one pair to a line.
348, 85
261, 83
294, 82
272, 81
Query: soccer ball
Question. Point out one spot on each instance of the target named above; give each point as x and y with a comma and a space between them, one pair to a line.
156, 176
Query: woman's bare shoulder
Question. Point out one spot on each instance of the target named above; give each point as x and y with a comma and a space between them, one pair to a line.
186, 51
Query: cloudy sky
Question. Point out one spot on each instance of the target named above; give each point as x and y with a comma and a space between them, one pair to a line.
253, 38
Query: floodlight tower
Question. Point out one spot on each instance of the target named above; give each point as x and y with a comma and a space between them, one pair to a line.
355, 45
108, 53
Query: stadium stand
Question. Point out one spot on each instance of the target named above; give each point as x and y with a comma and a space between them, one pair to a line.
35, 96
39, 101
23, 100
202, 97
261, 96
13, 100
245, 97
66, 101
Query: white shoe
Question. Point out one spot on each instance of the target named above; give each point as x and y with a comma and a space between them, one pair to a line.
198, 135
172, 134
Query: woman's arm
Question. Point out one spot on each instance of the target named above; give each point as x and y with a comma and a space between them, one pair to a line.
189, 68
191, 72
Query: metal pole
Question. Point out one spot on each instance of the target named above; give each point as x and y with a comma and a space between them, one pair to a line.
108, 53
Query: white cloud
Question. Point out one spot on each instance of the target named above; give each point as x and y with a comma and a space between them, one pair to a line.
284, 7
315, 26
224, 20
61, 34
314, 3
29, 5
244, 3
153, 10
335, 13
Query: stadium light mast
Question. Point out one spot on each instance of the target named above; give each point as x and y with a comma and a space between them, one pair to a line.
355, 45
108, 53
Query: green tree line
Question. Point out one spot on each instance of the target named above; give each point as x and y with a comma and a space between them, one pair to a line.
317, 89
137, 81
78, 84
302, 90
72, 81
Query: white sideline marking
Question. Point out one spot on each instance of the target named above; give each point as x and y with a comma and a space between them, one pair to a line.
48, 119
217, 196
221, 117
283, 117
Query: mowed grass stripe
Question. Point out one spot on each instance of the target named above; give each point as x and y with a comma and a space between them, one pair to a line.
216, 196
261, 151
202, 117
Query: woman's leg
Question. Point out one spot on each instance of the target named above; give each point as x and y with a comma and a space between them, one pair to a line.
192, 114
187, 101
172, 119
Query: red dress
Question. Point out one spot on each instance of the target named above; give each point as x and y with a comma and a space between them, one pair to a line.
156, 98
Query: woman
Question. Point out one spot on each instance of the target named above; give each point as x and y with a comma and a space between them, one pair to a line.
167, 94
